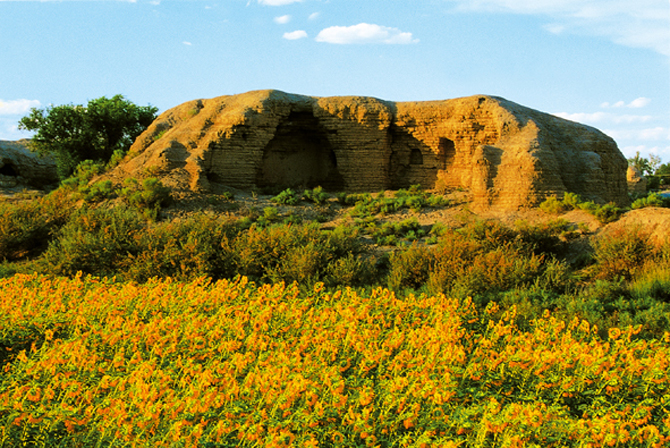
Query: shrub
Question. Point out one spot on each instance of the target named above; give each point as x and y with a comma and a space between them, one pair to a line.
553, 205
27, 227
292, 252
197, 247
97, 192
620, 254
287, 197
148, 197
317, 196
270, 215
351, 270
608, 213
389, 232
410, 268
545, 238
94, 241
652, 200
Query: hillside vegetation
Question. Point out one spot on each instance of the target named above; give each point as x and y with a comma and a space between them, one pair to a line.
302, 318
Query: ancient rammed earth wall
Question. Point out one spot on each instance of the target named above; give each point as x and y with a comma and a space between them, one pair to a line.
506, 155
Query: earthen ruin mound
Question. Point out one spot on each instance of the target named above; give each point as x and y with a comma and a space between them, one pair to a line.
506, 155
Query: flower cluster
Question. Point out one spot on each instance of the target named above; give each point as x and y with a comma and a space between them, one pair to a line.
230, 364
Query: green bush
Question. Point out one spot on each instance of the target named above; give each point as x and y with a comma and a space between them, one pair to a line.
197, 247
148, 197
27, 227
481, 258
620, 254
94, 241
303, 253
316, 195
604, 213
287, 197
553, 206
546, 238
97, 192
608, 213
389, 233
652, 200
269, 216
410, 268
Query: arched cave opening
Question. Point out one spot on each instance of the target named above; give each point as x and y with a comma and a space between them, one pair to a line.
415, 157
8, 170
299, 155
447, 152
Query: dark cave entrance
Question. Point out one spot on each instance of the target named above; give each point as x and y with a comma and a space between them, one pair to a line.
8, 170
416, 157
299, 155
447, 153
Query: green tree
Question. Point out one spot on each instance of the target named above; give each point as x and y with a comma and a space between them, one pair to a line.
74, 133
663, 170
647, 167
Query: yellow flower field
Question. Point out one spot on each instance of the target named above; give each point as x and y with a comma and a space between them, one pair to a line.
94, 363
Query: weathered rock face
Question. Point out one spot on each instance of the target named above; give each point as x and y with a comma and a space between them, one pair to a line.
21, 167
637, 183
508, 156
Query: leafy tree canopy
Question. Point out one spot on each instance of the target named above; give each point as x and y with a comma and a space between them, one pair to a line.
647, 167
663, 170
74, 133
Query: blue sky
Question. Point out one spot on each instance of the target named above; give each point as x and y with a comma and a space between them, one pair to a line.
605, 63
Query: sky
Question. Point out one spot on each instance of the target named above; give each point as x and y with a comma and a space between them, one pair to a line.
604, 63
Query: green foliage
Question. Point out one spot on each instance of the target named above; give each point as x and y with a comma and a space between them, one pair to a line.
316, 195
663, 170
287, 197
553, 206
94, 241
481, 258
620, 254
74, 133
302, 253
27, 227
413, 198
546, 238
148, 197
651, 200
269, 216
197, 247
605, 213
389, 233
646, 166
99, 191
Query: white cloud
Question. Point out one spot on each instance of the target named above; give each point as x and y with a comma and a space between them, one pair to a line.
278, 2
598, 118
17, 107
295, 35
650, 134
282, 19
314, 15
657, 133
639, 103
582, 117
646, 151
364, 33
187, 43
641, 24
